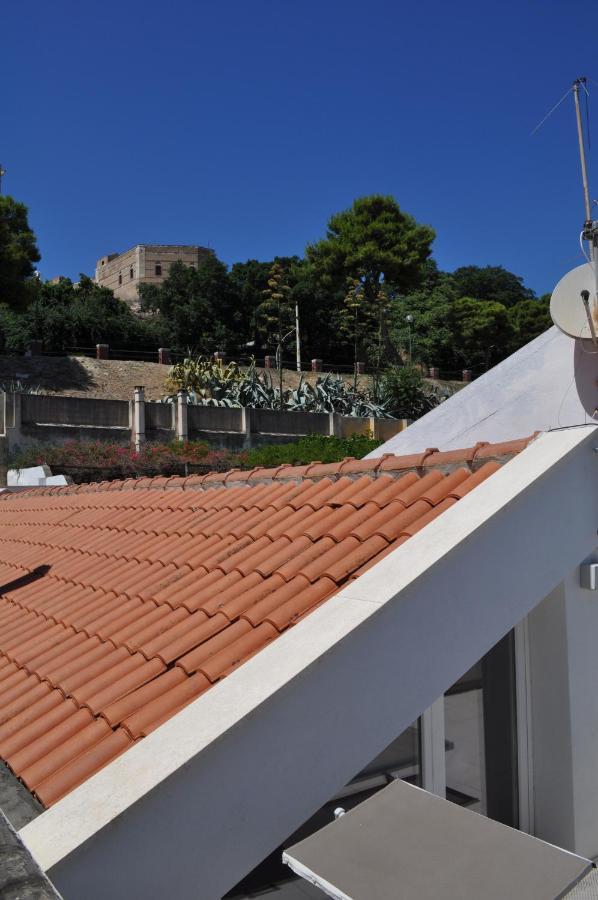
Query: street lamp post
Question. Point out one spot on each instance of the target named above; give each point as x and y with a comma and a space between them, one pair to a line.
409, 320
279, 347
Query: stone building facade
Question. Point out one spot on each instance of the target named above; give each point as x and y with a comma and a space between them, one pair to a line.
143, 264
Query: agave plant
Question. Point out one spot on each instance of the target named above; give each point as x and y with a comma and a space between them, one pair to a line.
16, 386
331, 394
211, 384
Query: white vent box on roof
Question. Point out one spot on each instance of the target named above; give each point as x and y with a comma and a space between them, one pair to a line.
589, 576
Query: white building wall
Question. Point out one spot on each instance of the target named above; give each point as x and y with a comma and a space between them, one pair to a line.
563, 641
550, 383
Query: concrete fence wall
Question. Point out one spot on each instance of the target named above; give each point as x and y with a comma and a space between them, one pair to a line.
27, 419
214, 418
272, 421
40, 409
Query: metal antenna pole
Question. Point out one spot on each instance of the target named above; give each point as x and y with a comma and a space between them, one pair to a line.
582, 149
297, 336
590, 231
2, 172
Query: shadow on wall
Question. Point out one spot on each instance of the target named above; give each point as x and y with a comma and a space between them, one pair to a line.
586, 383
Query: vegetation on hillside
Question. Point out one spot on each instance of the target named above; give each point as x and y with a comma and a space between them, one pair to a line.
209, 383
369, 290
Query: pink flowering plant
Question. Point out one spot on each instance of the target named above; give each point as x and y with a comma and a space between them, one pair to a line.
90, 458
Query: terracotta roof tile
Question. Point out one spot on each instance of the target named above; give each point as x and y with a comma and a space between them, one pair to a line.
83, 766
142, 593
152, 714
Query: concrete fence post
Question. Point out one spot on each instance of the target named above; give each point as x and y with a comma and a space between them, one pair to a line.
164, 357
17, 412
182, 424
360, 368
139, 417
246, 426
374, 427
102, 351
3, 461
335, 425
316, 365
467, 375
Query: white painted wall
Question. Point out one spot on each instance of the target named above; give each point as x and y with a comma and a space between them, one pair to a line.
549, 383
34, 476
192, 808
563, 633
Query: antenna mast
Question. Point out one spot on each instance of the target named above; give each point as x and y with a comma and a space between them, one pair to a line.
582, 150
590, 228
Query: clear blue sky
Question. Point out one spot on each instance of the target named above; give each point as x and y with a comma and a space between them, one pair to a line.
243, 124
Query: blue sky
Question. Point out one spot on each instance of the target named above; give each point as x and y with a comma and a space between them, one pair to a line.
243, 124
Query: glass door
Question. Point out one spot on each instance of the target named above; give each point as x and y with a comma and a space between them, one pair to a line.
481, 736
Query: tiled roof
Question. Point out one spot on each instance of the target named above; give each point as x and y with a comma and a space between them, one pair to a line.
121, 602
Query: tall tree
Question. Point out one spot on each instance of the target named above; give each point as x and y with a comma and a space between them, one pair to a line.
250, 280
482, 331
275, 315
198, 303
491, 283
18, 253
64, 315
529, 318
373, 241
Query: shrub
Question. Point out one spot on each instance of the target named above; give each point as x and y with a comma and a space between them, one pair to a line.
406, 394
310, 449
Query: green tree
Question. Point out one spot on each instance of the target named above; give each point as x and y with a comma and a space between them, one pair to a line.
404, 392
65, 315
490, 283
199, 304
18, 253
275, 315
529, 318
354, 321
374, 240
482, 332
431, 329
250, 280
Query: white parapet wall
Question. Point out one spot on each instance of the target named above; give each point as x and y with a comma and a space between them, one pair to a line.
549, 383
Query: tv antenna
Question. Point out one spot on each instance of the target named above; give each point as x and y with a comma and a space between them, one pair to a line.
574, 301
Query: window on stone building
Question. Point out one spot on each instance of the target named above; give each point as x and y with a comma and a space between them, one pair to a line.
158, 268
120, 278
131, 272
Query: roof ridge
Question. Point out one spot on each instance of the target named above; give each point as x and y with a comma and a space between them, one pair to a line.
388, 463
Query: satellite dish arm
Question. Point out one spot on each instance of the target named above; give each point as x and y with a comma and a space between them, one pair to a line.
585, 296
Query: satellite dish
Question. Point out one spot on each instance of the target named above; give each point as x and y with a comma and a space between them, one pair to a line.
567, 308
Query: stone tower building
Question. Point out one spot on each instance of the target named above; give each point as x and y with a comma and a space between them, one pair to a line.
143, 264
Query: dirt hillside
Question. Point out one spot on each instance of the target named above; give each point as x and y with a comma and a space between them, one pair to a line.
78, 376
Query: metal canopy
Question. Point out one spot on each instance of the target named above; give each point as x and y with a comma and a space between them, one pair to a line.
406, 844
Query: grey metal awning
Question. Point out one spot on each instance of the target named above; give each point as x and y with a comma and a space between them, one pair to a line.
406, 844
